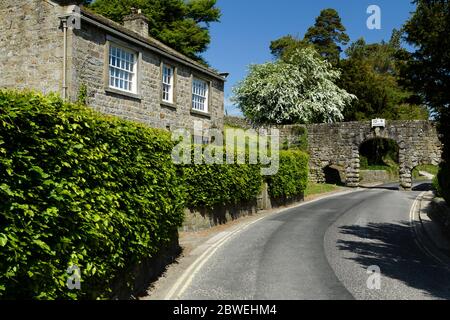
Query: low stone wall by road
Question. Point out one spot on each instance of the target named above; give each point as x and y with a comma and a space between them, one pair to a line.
202, 219
372, 176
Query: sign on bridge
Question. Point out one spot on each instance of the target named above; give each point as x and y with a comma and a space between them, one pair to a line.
378, 123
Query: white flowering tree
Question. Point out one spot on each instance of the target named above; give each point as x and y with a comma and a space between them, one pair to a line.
301, 90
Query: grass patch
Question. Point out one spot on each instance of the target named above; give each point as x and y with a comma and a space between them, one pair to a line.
318, 188
427, 168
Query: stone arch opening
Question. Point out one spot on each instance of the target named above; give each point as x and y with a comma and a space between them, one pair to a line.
422, 175
333, 175
379, 161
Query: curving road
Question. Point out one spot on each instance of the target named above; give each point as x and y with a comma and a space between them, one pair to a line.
322, 250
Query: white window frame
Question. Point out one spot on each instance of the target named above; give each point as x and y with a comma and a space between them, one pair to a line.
200, 95
122, 69
168, 97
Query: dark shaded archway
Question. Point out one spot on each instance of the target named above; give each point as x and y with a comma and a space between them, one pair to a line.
333, 175
379, 161
379, 152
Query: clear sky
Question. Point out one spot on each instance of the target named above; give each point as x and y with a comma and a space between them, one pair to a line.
248, 26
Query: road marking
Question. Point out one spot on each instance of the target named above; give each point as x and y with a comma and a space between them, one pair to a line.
193, 269
414, 222
186, 278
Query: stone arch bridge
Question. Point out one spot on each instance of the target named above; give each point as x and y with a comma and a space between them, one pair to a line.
338, 145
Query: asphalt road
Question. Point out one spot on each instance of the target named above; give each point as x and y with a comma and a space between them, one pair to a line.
322, 250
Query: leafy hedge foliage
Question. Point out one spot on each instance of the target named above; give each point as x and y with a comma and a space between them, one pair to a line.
292, 177
436, 186
221, 184
78, 188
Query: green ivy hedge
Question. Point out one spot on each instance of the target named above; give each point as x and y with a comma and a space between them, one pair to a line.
78, 188
292, 177
221, 184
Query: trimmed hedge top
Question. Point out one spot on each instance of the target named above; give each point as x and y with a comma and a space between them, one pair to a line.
221, 184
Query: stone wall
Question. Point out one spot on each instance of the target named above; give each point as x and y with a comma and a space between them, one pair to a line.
376, 176
31, 56
289, 134
31, 47
88, 67
338, 144
237, 122
201, 219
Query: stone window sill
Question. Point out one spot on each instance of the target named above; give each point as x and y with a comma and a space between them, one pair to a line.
200, 114
168, 105
123, 93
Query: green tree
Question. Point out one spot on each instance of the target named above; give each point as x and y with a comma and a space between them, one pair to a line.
428, 30
183, 25
284, 47
428, 71
327, 35
301, 90
371, 72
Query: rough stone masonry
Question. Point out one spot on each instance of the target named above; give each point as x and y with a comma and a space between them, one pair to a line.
337, 145
32, 57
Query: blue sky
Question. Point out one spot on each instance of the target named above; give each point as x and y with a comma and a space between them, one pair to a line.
247, 26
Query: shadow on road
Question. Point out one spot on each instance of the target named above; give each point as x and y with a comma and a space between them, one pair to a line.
391, 247
383, 187
424, 186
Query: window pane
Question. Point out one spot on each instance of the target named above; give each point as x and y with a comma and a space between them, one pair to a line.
167, 83
199, 95
121, 64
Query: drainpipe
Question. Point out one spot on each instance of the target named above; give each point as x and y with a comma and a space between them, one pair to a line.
64, 80
72, 20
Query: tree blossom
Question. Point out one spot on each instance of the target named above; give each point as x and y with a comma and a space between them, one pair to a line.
301, 90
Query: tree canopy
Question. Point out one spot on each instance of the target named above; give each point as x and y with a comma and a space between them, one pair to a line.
429, 69
183, 25
285, 47
327, 35
428, 72
301, 90
371, 72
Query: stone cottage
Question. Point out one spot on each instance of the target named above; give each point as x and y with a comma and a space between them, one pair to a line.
57, 46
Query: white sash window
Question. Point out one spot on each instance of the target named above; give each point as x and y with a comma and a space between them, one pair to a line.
200, 90
167, 83
122, 69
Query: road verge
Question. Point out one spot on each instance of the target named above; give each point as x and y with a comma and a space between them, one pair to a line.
428, 229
